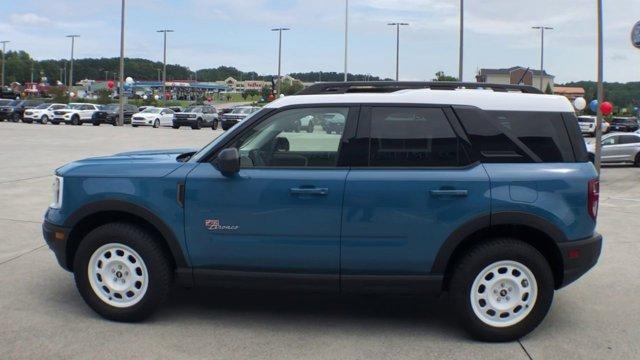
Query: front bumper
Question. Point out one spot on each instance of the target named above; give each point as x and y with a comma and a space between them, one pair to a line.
56, 238
578, 257
184, 121
6, 115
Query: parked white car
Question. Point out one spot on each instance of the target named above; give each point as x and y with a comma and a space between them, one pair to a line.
75, 114
41, 113
588, 125
153, 116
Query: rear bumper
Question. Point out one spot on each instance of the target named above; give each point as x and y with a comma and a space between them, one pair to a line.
579, 256
56, 238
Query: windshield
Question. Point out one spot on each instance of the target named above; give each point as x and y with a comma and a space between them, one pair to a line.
586, 119
111, 107
151, 110
244, 111
75, 106
14, 103
42, 106
194, 109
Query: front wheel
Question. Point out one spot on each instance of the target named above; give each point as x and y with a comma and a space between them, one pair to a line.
637, 160
198, 125
122, 272
44, 119
15, 117
502, 290
214, 126
156, 124
75, 120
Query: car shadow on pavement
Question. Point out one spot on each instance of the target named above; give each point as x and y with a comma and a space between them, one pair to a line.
318, 311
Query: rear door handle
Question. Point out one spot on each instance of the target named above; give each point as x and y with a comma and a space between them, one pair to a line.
456, 193
309, 191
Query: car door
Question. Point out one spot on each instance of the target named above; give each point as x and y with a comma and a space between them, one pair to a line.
628, 147
610, 149
412, 190
208, 115
166, 117
281, 213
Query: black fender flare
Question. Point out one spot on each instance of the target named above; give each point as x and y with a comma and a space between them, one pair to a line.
137, 210
486, 222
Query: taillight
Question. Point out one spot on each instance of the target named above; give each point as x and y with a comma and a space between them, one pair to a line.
593, 198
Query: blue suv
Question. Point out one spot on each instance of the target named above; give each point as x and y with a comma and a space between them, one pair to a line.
485, 194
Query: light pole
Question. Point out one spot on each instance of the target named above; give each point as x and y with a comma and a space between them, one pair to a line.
397, 25
542, 29
346, 37
600, 92
460, 53
279, 30
164, 65
4, 46
121, 84
73, 42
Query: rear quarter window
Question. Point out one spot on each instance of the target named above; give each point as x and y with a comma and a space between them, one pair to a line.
517, 136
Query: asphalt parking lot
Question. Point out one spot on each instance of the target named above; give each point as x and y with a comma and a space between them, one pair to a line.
42, 314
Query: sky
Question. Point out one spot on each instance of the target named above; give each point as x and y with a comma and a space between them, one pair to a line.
210, 33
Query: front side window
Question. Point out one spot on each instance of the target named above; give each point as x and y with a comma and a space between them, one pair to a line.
613, 140
412, 137
279, 141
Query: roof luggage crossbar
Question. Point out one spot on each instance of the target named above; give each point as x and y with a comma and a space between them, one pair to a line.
391, 86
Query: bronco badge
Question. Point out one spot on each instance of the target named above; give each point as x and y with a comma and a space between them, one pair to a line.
214, 224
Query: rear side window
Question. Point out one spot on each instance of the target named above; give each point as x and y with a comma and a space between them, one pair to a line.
629, 139
411, 137
517, 136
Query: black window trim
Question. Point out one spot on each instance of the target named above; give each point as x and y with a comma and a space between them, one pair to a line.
343, 161
364, 131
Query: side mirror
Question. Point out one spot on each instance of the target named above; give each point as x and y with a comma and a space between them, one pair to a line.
228, 161
282, 144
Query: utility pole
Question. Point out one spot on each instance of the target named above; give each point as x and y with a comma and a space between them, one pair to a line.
397, 25
542, 29
164, 66
460, 53
106, 75
4, 47
279, 30
600, 92
73, 41
121, 84
346, 37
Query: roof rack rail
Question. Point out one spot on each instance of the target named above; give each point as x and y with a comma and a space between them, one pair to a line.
391, 86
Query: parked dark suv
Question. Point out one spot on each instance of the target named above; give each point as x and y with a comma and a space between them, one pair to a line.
14, 110
109, 114
625, 124
486, 195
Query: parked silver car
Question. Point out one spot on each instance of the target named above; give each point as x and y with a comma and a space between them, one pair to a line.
618, 148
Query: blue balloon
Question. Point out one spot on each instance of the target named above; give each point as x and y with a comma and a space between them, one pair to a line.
593, 105
635, 108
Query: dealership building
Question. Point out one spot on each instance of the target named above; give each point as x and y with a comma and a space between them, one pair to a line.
516, 75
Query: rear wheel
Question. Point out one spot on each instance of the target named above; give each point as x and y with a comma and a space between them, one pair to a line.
637, 160
44, 119
214, 126
502, 290
121, 272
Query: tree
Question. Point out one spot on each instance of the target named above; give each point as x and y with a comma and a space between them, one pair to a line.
58, 95
104, 96
441, 76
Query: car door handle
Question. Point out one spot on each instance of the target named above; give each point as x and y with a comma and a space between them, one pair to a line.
455, 193
309, 191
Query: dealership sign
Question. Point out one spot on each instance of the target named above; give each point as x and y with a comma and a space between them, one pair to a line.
635, 35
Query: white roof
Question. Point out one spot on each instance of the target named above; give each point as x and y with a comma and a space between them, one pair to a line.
483, 99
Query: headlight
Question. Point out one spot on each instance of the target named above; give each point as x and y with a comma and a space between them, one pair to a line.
57, 192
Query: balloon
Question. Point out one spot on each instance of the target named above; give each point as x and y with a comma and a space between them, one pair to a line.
129, 80
635, 109
144, 97
110, 84
593, 105
606, 108
580, 103
72, 94
157, 97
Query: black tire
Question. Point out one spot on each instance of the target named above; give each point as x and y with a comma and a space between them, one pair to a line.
55, 122
134, 125
175, 127
156, 124
637, 160
96, 123
198, 125
75, 120
44, 119
158, 269
27, 121
15, 117
214, 126
474, 261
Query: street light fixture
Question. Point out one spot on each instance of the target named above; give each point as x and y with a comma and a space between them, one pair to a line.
73, 42
4, 46
542, 29
164, 65
397, 25
279, 30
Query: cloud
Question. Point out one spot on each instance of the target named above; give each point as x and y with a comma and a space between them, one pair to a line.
29, 20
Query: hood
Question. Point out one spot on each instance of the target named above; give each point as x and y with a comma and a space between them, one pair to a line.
146, 163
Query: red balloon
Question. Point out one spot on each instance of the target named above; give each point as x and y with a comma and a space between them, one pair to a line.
110, 84
606, 108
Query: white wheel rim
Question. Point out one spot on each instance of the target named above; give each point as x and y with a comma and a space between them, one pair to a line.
118, 275
503, 293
